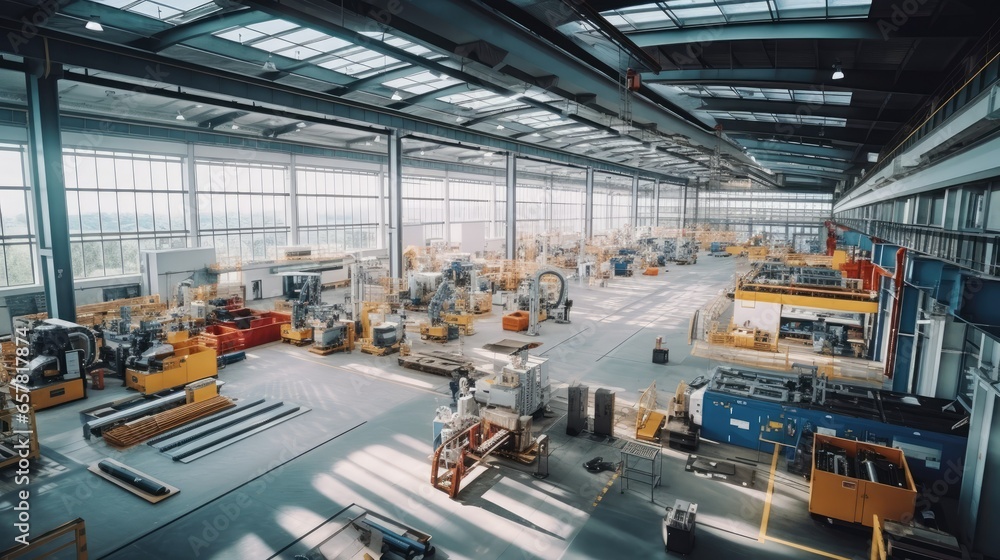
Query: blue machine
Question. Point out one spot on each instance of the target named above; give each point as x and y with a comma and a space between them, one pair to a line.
623, 262
750, 408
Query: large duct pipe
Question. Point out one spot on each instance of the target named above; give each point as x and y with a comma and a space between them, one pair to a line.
894, 317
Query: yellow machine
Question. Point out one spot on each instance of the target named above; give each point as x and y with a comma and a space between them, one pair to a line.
441, 332
298, 337
338, 337
379, 337
59, 356
462, 320
167, 366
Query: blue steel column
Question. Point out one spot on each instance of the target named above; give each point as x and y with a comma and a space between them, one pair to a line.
511, 206
635, 201
395, 204
49, 188
588, 219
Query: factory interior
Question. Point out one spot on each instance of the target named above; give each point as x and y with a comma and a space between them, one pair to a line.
499, 279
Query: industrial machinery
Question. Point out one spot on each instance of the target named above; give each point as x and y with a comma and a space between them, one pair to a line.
539, 304
166, 366
437, 328
304, 288
422, 287
752, 409
380, 336
336, 336
60, 355
522, 385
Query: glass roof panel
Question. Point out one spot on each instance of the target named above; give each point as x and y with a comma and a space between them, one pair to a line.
770, 94
170, 11
670, 14
481, 99
421, 82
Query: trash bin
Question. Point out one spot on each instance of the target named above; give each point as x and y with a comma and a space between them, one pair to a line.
661, 355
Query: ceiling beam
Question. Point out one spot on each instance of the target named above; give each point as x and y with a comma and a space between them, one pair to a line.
803, 160
759, 32
919, 83
221, 119
421, 97
777, 146
818, 133
805, 108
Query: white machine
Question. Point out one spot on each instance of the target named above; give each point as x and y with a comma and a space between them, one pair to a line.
522, 385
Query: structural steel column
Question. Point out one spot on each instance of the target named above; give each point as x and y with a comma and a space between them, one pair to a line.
635, 201
395, 228
49, 188
656, 203
447, 209
511, 206
684, 204
293, 201
194, 219
588, 219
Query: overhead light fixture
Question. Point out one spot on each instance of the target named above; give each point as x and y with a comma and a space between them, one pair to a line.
378, 138
459, 119
179, 116
396, 96
93, 24
421, 152
838, 72
488, 154
235, 126
199, 106
872, 157
300, 124
535, 134
269, 65
500, 127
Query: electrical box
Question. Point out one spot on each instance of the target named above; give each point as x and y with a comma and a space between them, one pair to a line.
604, 412
576, 419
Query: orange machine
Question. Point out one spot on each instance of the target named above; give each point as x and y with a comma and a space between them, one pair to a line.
516, 321
169, 366
855, 499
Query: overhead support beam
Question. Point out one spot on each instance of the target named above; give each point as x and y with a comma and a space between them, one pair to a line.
814, 132
221, 119
482, 52
395, 229
511, 214
205, 25
837, 30
389, 76
278, 131
805, 108
49, 188
500, 114
588, 215
70, 50
804, 160
777, 146
916, 83
621, 40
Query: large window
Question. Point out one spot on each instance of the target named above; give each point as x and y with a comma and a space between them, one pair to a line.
423, 203
531, 208
337, 209
568, 208
17, 239
120, 203
469, 200
242, 209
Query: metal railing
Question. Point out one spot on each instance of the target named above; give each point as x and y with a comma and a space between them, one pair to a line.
962, 85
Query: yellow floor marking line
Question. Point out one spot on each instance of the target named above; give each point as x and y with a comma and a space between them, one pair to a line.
604, 490
806, 549
770, 494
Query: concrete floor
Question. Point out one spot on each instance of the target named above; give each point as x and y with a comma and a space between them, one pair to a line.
367, 441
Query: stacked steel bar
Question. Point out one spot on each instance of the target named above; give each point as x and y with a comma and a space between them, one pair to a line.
138, 431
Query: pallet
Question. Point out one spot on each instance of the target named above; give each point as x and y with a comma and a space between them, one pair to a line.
299, 343
326, 351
